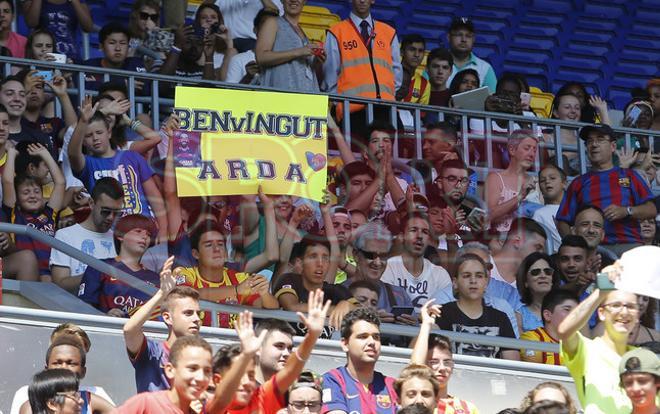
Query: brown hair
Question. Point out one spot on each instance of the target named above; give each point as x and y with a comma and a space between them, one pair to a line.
178, 292
528, 401
72, 330
186, 342
419, 371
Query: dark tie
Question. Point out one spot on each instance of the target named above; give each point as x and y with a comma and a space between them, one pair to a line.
364, 31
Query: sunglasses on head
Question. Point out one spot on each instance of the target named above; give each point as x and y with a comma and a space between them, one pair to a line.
154, 17
548, 271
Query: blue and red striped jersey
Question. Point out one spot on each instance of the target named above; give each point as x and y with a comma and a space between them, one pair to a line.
617, 186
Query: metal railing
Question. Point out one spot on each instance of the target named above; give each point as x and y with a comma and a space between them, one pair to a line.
214, 308
157, 105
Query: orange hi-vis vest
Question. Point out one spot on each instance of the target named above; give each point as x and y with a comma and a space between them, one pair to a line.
366, 67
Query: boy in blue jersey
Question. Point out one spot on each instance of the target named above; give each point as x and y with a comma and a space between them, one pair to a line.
133, 236
357, 387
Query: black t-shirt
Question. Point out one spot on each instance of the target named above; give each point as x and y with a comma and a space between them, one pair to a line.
293, 283
491, 322
30, 134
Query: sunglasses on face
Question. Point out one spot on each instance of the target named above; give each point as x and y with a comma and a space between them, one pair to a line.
548, 271
373, 255
153, 17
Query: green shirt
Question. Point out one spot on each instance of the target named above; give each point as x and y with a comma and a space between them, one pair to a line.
595, 370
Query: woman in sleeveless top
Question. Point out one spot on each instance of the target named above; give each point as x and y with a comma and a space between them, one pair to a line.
505, 190
284, 53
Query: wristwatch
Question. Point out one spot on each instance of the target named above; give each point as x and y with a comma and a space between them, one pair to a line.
629, 211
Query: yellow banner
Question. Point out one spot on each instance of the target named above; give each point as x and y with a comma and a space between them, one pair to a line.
231, 141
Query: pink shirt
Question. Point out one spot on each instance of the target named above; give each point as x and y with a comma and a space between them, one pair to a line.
16, 44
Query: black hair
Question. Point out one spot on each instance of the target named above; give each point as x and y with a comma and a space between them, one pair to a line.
547, 165
444, 126
311, 240
456, 82
358, 314
271, 325
24, 178
11, 5
440, 53
47, 385
364, 283
417, 408
65, 340
412, 38
202, 228
112, 28
8, 79
439, 341
108, 186
590, 207
296, 252
113, 86
352, 169
456, 164
509, 77
262, 15
556, 297
573, 240
414, 215
222, 358
548, 407
24, 159
3, 109
521, 276
527, 225
380, 126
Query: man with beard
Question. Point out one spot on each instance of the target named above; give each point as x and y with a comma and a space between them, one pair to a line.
593, 363
572, 263
590, 224
93, 236
411, 270
373, 242
434, 351
621, 193
358, 387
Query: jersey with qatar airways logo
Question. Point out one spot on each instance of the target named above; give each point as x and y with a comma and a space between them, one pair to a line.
105, 292
344, 393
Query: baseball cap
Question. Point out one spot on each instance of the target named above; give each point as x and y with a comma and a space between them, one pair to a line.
599, 128
136, 221
461, 23
639, 360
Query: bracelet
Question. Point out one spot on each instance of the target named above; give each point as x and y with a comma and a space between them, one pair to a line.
298, 356
136, 124
174, 49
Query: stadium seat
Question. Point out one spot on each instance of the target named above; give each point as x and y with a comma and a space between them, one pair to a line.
541, 102
315, 20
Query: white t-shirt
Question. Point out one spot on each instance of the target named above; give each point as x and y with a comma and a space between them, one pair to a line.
546, 216
21, 396
420, 288
99, 245
236, 70
71, 180
239, 16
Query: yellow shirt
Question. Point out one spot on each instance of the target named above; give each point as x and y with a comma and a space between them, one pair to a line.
530, 355
595, 370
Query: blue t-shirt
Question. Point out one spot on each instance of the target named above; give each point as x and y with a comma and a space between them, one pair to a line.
62, 22
130, 169
105, 292
343, 392
149, 363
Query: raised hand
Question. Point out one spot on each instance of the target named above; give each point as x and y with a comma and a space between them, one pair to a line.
316, 312
429, 312
265, 200
168, 277
325, 205
117, 107
250, 343
627, 157
37, 150
87, 110
58, 85
171, 124
599, 105
301, 213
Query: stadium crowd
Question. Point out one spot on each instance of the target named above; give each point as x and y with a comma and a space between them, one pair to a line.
514, 255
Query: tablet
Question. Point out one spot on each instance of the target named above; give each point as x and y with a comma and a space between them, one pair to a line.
473, 100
